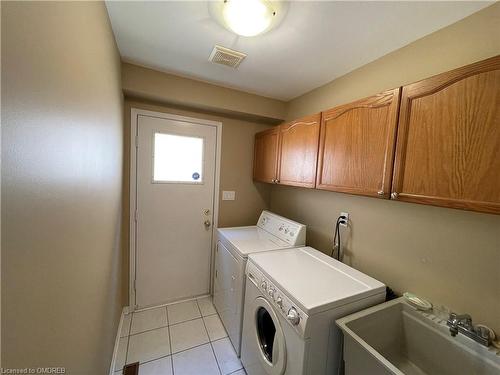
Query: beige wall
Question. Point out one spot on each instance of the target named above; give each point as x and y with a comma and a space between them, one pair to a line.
451, 257
62, 121
0, 200
474, 38
154, 85
236, 170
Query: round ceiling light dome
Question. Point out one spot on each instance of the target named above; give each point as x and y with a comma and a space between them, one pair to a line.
248, 17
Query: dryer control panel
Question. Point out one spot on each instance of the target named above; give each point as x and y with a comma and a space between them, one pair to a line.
287, 230
282, 304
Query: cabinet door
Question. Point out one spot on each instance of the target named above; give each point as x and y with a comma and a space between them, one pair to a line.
299, 152
266, 155
357, 146
448, 148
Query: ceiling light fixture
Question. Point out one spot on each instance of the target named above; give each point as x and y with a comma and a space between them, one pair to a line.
247, 17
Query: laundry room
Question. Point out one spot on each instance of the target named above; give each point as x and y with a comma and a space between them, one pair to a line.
250, 187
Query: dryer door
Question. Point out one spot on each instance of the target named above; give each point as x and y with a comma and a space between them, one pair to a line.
228, 290
269, 337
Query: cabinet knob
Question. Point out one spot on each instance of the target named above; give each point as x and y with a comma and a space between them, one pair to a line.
394, 195
380, 192
273, 181
277, 181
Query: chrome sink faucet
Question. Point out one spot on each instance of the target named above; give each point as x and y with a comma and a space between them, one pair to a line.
463, 324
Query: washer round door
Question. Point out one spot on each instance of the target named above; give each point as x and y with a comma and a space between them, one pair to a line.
269, 336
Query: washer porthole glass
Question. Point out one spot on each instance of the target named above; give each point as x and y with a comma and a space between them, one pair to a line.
266, 331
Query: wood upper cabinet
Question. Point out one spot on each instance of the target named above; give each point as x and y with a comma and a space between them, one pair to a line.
299, 151
266, 148
448, 148
357, 143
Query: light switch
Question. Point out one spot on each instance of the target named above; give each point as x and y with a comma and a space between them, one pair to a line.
228, 195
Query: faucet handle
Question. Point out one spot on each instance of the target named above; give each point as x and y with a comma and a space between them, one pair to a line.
463, 319
463, 324
453, 330
456, 320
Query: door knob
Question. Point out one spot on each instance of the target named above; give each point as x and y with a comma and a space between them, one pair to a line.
206, 211
207, 224
394, 195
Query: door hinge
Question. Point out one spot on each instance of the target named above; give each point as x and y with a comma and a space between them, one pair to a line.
136, 214
216, 274
135, 285
136, 142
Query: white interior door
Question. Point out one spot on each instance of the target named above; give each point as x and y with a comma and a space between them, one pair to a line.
175, 187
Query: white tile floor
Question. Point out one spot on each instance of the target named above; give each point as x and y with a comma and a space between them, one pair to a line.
185, 338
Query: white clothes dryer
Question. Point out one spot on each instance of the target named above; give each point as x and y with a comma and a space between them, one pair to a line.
272, 232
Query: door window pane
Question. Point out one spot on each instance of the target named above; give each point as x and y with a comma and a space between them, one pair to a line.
177, 158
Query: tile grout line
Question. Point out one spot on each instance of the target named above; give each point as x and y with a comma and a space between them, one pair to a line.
170, 343
171, 355
148, 330
157, 358
180, 351
168, 325
172, 303
193, 347
128, 338
170, 338
153, 360
209, 340
189, 320
128, 341
224, 338
239, 359
130, 324
198, 317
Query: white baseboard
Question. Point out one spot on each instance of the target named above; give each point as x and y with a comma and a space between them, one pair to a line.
125, 310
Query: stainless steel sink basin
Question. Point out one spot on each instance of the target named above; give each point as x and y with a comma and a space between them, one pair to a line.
395, 338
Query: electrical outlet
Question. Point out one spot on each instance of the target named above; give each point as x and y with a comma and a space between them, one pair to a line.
344, 223
228, 195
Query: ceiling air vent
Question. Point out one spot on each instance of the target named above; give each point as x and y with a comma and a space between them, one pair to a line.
226, 56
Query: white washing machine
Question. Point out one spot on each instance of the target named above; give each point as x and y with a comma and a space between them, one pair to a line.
292, 301
272, 232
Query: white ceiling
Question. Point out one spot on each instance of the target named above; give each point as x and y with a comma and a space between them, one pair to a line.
315, 43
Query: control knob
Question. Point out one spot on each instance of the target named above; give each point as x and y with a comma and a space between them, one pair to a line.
263, 285
293, 316
271, 292
279, 302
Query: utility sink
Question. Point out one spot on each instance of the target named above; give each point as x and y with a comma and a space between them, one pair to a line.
396, 338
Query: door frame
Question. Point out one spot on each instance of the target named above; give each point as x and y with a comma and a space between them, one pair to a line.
134, 114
